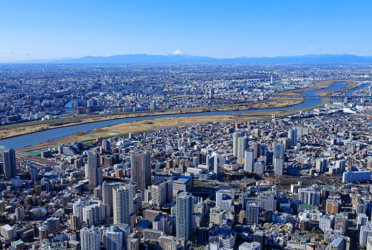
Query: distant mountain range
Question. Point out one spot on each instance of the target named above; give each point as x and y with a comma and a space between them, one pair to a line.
179, 57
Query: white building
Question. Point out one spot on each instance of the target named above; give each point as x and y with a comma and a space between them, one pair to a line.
8, 232
77, 207
94, 213
90, 239
356, 176
225, 199
250, 246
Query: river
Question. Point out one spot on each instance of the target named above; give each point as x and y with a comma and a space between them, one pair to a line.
39, 137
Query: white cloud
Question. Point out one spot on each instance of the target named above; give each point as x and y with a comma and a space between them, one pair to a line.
108, 54
16, 52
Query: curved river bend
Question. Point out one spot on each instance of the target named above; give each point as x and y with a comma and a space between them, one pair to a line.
39, 137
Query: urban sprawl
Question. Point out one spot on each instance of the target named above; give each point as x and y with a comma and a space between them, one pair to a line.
300, 181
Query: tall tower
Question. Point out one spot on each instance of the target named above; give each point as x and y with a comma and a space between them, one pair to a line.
10, 167
253, 210
95, 172
107, 196
123, 204
236, 135
141, 169
292, 135
279, 165
185, 207
249, 160
242, 146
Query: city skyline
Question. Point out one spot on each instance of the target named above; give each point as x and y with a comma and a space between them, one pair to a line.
45, 30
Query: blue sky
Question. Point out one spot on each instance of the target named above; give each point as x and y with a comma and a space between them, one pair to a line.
230, 28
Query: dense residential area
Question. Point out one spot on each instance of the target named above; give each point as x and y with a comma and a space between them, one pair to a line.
296, 182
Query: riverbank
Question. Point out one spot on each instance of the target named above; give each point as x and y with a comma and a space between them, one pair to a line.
138, 127
19, 129
26, 140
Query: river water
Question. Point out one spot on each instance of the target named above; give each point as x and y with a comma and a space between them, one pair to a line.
39, 137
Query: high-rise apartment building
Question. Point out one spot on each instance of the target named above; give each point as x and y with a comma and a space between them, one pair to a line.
253, 210
107, 196
78, 208
162, 192
249, 160
95, 172
141, 169
185, 209
123, 203
94, 213
115, 237
242, 146
152, 105
257, 150
309, 196
225, 199
321, 165
236, 135
75, 222
90, 239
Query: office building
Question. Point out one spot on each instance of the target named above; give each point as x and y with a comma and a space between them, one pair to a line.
123, 203
34, 172
249, 161
184, 183
90, 239
252, 210
9, 163
185, 209
292, 135
16, 182
141, 169
278, 150
279, 165
162, 192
